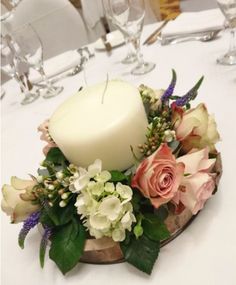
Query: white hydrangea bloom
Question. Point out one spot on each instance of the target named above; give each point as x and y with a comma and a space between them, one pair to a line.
127, 220
118, 235
124, 191
110, 207
99, 222
82, 177
95, 168
104, 176
95, 188
105, 207
80, 205
109, 187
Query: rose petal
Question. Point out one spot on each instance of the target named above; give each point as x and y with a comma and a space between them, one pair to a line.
197, 161
22, 211
11, 195
199, 188
21, 184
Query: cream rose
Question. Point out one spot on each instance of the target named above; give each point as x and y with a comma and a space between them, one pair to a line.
195, 128
158, 176
17, 199
199, 183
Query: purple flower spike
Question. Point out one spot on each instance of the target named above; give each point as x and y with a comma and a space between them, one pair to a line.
29, 223
169, 91
43, 245
191, 94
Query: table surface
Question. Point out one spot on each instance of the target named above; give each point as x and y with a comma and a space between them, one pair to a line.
205, 253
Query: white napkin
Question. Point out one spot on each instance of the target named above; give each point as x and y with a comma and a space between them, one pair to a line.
57, 64
190, 22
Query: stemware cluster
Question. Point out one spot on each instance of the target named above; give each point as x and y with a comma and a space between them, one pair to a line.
228, 8
128, 17
21, 50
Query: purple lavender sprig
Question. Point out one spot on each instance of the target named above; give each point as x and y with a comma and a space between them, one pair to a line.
190, 95
28, 224
43, 245
169, 91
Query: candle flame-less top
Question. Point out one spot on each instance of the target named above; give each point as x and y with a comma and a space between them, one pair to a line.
101, 122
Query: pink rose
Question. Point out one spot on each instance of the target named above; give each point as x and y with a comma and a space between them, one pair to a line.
43, 128
195, 128
197, 187
158, 176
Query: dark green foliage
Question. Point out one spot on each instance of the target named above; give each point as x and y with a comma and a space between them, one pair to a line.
68, 245
56, 157
141, 253
117, 176
154, 228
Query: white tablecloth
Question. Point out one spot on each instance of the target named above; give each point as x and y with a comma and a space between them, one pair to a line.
205, 253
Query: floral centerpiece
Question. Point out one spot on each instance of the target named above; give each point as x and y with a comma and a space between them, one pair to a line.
130, 210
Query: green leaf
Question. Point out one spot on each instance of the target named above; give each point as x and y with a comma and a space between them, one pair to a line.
45, 219
60, 216
67, 245
117, 176
154, 228
141, 253
136, 201
162, 213
56, 156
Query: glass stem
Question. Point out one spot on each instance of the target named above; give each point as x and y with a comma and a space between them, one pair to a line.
128, 45
136, 44
45, 78
232, 45
23, 89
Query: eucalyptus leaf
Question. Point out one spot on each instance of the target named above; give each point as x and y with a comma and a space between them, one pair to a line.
174, 145
43, 172
67, 245
141, 253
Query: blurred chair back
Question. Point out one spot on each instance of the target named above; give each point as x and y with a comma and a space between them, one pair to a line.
153, 13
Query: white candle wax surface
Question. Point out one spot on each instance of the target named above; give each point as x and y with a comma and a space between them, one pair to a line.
96, 125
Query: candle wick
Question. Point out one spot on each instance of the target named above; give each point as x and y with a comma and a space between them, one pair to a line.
105, 89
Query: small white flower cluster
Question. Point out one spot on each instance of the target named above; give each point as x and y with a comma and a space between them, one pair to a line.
104, 207
169, 135
151, 95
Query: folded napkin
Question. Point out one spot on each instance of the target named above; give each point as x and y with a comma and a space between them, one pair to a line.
57, 65
193, 22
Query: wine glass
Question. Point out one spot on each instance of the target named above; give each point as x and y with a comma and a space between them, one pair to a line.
11, 65
30, 49
131, 56
129, 15
8, 8
228, 8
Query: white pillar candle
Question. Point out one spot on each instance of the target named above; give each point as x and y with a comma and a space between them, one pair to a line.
94, 124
